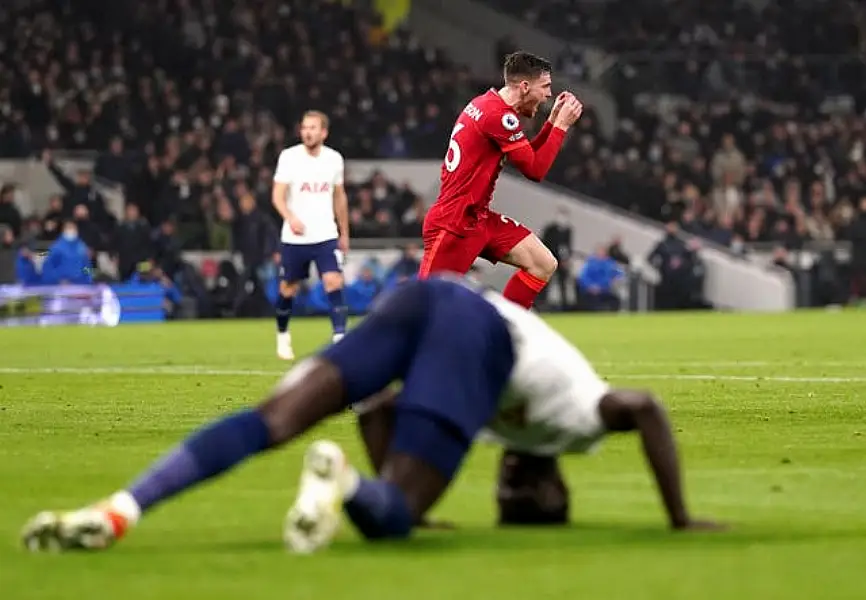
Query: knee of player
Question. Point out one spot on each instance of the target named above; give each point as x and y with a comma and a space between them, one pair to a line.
550, 265
288, 290
332, 282
544, 265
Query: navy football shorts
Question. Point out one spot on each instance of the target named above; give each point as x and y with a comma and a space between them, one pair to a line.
454, 354
297, 258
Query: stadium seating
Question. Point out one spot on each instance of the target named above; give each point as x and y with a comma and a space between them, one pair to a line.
203, 95
788, 83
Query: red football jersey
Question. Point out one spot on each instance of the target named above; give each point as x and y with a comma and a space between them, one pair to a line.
485, 131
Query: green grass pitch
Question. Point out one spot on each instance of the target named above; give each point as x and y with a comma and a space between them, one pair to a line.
770, 413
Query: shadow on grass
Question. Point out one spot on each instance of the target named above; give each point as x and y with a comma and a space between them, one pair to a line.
478, 539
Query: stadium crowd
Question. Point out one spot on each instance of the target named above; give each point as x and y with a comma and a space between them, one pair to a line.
191, 101
753, 140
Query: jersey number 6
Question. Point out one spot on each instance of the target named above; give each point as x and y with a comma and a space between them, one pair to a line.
452, 157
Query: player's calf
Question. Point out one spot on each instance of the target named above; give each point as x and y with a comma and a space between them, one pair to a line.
333, 284
283, 309
537, 265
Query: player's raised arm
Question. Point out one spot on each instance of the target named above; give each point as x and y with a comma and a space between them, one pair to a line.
280, 193
633, 410
528, 83
535, 160
541, 137
341, 207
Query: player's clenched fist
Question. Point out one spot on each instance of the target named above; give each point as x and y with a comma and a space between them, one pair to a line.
561, 99
569, 112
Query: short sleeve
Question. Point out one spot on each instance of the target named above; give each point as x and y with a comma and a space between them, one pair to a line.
339, 169
505, 130
283, 174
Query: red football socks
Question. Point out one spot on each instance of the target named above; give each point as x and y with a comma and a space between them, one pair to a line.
523, 288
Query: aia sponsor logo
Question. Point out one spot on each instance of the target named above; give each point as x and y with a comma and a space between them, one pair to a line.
314, 187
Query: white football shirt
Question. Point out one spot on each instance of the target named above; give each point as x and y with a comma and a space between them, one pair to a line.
550, 405
311, 181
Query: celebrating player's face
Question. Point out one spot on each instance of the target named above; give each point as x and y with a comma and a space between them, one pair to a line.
535, 92
312, 132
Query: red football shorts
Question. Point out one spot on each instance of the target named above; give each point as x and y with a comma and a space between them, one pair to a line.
491, 240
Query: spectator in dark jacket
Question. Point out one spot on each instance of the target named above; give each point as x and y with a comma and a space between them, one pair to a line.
255, 236
9, 213
114, 165
132, 242
857, 233
80, 191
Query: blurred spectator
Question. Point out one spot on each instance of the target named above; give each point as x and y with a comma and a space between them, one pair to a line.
166, 247
9, 213
728, 166
26, 272
68, 259
88, 231
52, 222
782, 259
557, 237
857, 234
826, 280
616, 251
220, 223
114, 165
361, 292
406, 267
7, 237
132, 242
595, 283
80, 191
148, 273
672, 259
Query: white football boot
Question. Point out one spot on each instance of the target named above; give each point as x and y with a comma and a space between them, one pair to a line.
94, 527
337, 337
313, 521
86, 529
284, 346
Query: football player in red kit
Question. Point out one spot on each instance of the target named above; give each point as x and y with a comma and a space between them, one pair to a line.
460, 226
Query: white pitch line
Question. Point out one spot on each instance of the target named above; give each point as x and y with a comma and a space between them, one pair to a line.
210, 371
731, 363
167, 370
746, 378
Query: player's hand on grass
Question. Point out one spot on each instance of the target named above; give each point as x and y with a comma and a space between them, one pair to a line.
569, 113
296, 225
561, 99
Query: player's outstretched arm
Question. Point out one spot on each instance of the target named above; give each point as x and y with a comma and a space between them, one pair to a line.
630, 410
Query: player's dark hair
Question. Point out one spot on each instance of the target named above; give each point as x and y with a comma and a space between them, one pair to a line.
524, 65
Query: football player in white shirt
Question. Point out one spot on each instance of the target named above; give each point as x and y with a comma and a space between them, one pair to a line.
467, 359
309, 194
554, 404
